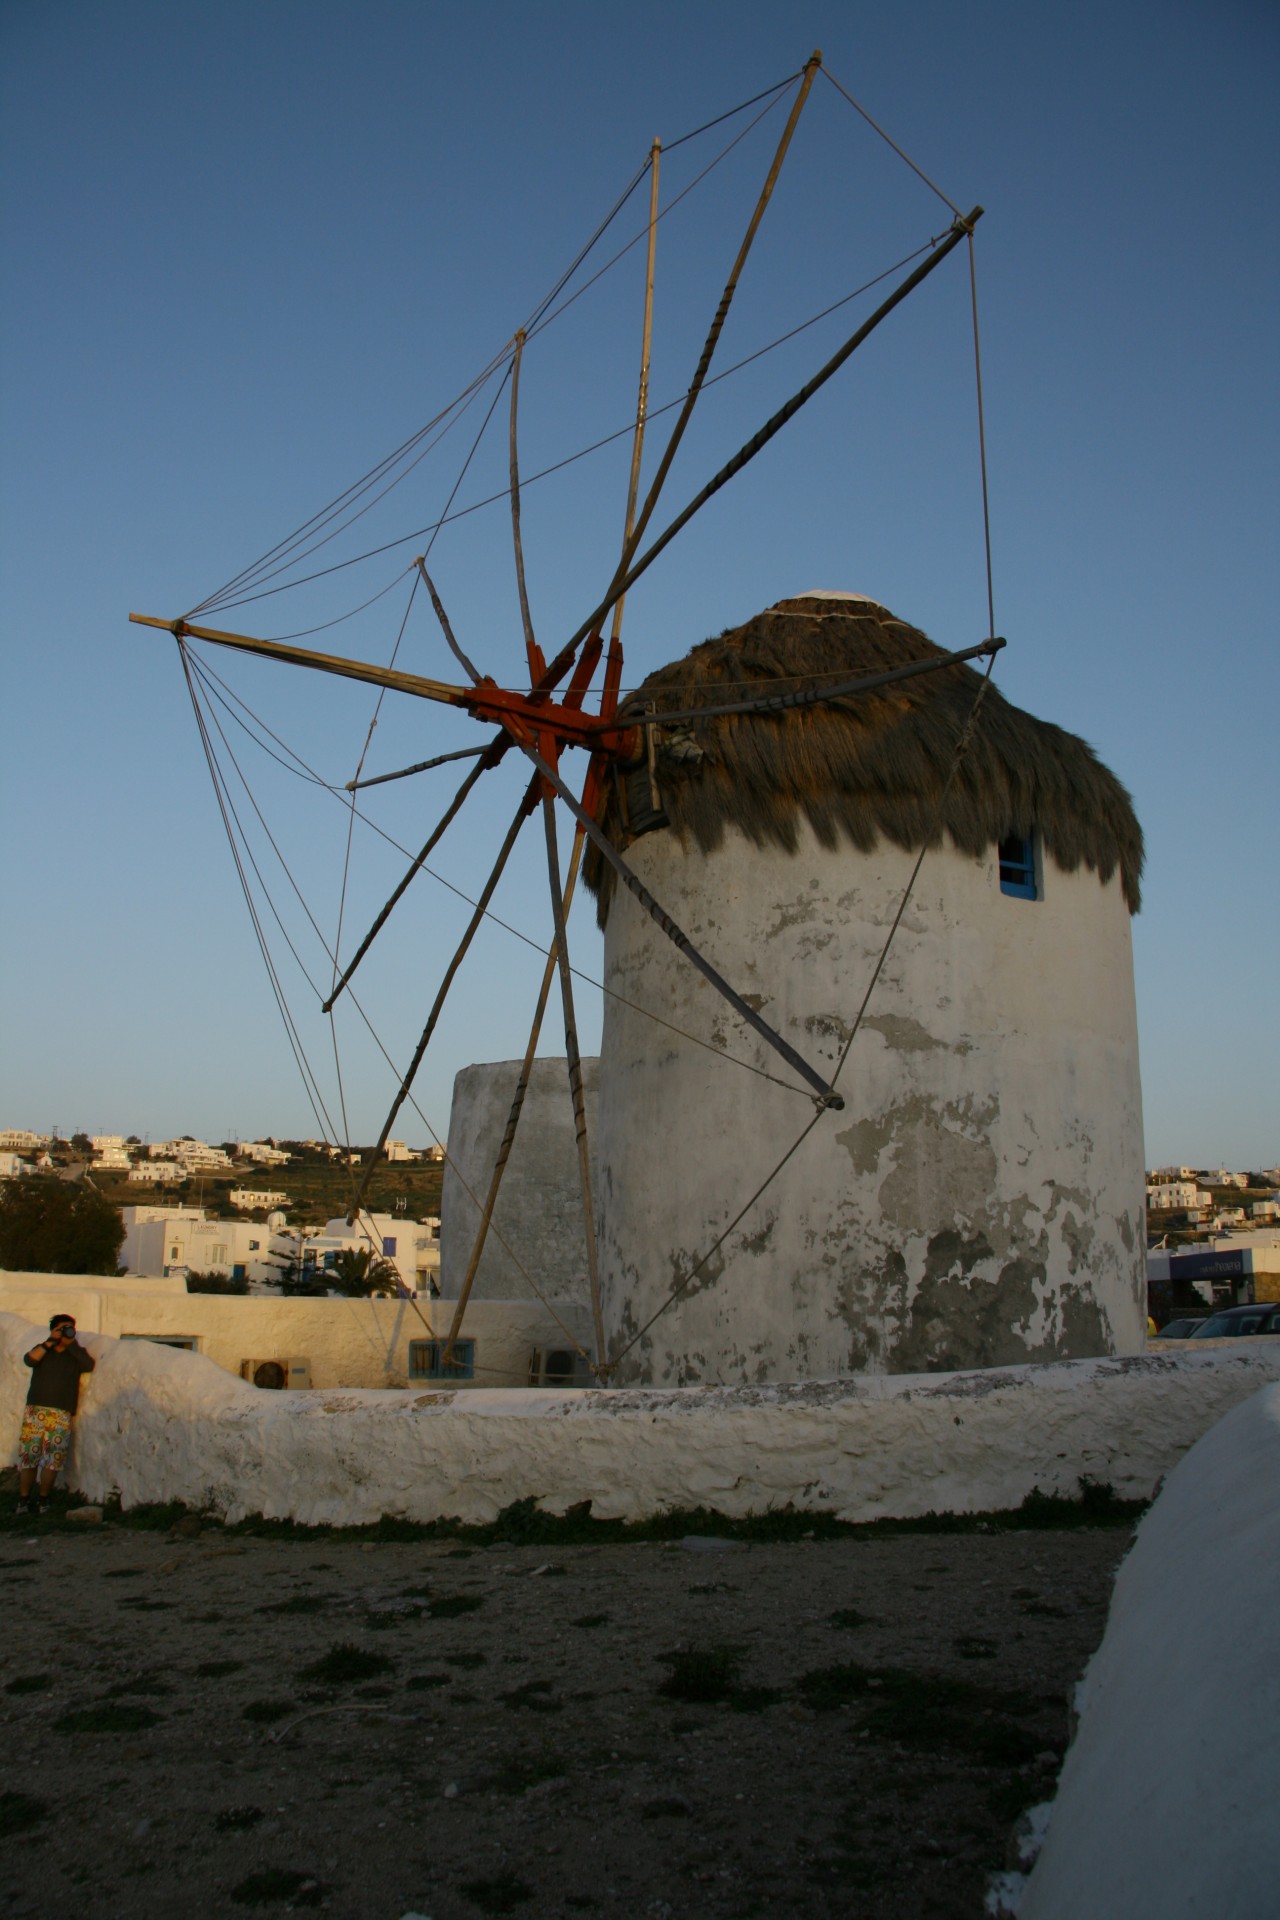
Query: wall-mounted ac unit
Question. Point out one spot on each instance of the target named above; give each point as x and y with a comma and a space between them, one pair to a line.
559, 1367
276, 1372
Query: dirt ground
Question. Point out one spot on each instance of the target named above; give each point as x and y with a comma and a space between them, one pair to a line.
199, 1723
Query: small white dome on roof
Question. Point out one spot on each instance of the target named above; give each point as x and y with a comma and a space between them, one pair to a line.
831, 593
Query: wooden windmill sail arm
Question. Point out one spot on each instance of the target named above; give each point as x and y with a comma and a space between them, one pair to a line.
487, 701
959, 230
814, 696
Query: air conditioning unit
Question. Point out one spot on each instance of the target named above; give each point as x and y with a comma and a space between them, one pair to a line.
559, 1367
277, 1373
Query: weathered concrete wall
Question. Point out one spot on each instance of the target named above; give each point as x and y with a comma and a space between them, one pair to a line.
538, 1217
980, 1200
349, 1343
162, 1425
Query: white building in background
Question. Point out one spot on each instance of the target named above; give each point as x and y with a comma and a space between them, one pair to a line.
1264, 1210
106, 1142
1181, 1194
412, 1246
12, 1166
247, 1198
169, 1241
263, 1152
1159, 1175
111, 1160
397, 1150
155, 1173
22, 1138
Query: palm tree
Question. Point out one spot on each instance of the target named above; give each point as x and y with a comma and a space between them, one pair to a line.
358, 1271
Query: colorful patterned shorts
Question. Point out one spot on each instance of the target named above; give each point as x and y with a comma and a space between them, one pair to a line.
44, 1440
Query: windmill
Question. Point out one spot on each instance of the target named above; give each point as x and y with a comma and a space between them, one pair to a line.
559, 714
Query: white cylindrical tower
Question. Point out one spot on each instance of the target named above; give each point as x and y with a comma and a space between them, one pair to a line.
538, 1232
979, 1200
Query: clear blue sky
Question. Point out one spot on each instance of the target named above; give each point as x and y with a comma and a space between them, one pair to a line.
250, 249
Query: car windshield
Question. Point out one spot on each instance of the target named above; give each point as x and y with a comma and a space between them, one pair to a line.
1219, 1325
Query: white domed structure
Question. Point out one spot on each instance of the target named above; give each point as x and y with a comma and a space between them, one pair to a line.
979, 1200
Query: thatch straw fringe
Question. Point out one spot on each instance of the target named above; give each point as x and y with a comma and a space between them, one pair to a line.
869, 765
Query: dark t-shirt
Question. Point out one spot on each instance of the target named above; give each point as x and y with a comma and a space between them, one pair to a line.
55, 1380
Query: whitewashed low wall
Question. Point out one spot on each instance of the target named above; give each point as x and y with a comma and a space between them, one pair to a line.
349, 1343
1166, 1808
166, 1425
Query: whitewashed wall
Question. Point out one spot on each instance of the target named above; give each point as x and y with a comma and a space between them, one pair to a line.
538, 1217
349, 1343
1166, 1806
162, 1425
980, 1199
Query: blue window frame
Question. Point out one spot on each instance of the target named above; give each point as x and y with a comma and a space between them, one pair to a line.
1018, 867
424, 1360
389, 1248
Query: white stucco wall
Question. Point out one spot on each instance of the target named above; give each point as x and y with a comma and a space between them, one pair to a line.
1166, 1805
165, 1425
539, 1210
980, 1199
349, 1343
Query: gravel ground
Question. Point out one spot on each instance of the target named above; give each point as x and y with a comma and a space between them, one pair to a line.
199, 1723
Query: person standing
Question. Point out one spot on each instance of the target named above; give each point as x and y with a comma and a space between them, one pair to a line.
56, 1366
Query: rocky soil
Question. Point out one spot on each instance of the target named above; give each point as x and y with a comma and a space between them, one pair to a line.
202, 1723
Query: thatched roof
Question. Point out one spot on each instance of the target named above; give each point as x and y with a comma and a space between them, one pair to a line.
865, 767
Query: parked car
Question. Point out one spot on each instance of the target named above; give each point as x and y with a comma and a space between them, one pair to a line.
1179, 1329
1264, 1317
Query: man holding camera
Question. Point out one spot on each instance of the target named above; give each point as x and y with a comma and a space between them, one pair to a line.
56, 1366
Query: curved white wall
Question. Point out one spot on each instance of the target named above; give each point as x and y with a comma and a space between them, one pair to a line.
980, 1199
538, 1217
162, 1425
1166, 1806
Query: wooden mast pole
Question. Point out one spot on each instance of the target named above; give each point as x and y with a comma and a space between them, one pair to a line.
612, 681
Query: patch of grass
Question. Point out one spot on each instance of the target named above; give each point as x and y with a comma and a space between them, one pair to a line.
139, 1683
589, 1620
278, 1883
501, 1893
140, 1604
300, 1603
265, 1712
107, 1718
754, 1699
1045, 1610
345, 1663
671, 1809
383, 1620
217, 1669
525, 1523
237, 1819
29, 1683
517, 1776
451, 1605
535, 1696
974, 1646
850, 1619
125, 1573
466, 1662
703, 1674
419, 1682
19, 1812
928, 1711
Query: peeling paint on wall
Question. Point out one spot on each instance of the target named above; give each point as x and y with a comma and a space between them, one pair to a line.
978, 1201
